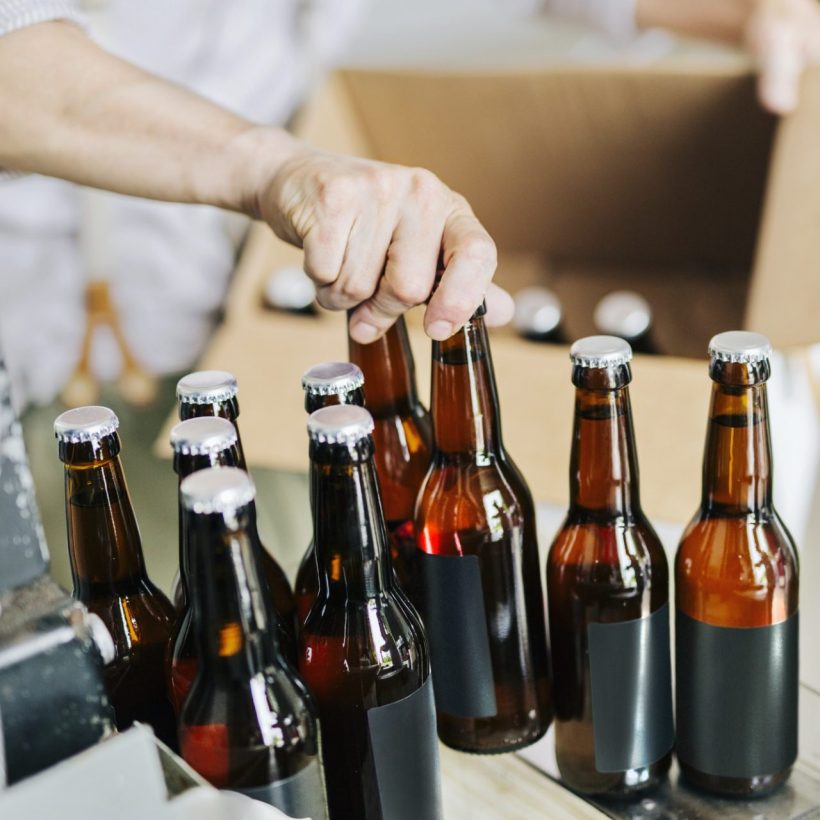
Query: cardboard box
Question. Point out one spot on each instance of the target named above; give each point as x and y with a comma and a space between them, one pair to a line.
589, 179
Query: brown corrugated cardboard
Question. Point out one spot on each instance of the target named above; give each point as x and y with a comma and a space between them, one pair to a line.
589, 179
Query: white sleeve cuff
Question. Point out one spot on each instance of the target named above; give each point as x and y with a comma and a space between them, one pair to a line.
617, 18
17, 14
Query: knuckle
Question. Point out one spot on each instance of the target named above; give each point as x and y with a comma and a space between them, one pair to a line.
478, 247
338, 192
410, 291
353, 291
425, 184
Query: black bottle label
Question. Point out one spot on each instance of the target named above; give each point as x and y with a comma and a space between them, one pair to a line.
737, 693
631, 681
405, 756
300, 795
456, 626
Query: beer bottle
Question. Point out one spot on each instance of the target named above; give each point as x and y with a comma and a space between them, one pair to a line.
248, 722
736, 586
214, 393
325, 385
362, 647
108, 568
403, 437
608, 594
199, 443
482, 602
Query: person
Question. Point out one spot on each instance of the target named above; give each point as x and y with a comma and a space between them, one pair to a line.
373, 233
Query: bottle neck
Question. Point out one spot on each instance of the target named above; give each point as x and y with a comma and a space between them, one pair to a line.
103, 537
464, 399
389, 371
737, 466
228, 409
603, 465
233, 624
348, 524
316, 402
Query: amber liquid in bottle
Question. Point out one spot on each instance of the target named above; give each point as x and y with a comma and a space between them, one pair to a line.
248, 720
606, 565
474, 501
306, 587
737, 565
273, 573
403, 439
108, 570
361, 646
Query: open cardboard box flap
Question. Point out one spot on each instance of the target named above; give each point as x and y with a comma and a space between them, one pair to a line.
655, 178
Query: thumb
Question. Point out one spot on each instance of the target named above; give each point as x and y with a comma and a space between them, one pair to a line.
781, 62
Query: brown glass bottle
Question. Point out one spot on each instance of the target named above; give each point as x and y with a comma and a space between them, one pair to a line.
214, 393
475, 505
108, 568
403, 438
324, 385
608, 594
736, 586
248, 722
362, 647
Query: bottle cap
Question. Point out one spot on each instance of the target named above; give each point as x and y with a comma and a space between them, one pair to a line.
623, 313
600, 351
332, 379
289, 289
90, 423
537, 311
203, 436
217, 490
740, 346
207, 387
340, 424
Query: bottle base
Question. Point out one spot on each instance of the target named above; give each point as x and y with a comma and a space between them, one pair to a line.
614, 785
746, 788
493, 748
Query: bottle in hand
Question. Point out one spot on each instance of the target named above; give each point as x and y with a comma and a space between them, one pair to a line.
324, 385
362, 648
736, 587
608, 594
248, 722
483, 607
403, 437
214, 393
108, 568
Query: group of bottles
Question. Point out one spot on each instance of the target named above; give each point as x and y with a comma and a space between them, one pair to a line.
423, 570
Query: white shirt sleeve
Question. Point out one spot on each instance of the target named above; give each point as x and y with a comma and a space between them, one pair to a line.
614, 17
17, 14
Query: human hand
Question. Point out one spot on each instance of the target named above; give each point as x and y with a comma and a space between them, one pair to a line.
373, 235
783, 37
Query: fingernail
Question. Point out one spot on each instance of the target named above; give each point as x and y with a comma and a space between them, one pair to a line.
440, 330
364, 333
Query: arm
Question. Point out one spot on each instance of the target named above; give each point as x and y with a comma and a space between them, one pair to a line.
372, 232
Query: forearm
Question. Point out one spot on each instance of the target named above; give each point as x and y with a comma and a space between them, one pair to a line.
71, 110
712, 19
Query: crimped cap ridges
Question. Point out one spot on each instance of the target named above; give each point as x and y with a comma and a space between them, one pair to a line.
203, 436
217, 490
90, 423
332, 378
600, 351
340, 424
207, 387
740, 346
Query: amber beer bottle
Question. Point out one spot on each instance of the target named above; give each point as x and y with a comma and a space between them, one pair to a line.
482, 602
608, 593
362, 647
403, 437
736, 586
325, 385
214, 393
248, 722
197, 444
108, 568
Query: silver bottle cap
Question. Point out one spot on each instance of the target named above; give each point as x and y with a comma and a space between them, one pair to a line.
90, 423
740, 346
600, 351
332, 378
217, 490
340, 424
207, 387
289, 289
203, 436
537, 311
623, 313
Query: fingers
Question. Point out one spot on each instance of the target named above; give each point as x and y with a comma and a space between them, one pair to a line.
781, 60
500, 306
